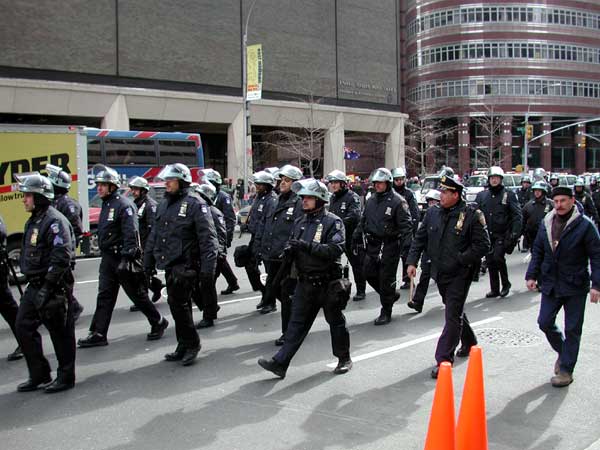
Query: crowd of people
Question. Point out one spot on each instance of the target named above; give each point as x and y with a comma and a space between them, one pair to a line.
299, 229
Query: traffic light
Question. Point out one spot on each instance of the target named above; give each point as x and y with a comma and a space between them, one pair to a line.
583, 141
528, 132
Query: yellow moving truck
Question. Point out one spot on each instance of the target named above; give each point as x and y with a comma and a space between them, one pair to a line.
29, 148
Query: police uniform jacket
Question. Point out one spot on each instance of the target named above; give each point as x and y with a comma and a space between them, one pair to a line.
454, 238
385, 221
413, 206
219, 221
184, 233
561, 268
502, 212
596, 199
118, 231
71, 209
48, 246
346, 205
589, 209
223, 202
524, 196
326, 235
277, 225
261, 206
146, 212
534, 212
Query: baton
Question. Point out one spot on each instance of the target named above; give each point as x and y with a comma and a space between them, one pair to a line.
411, 290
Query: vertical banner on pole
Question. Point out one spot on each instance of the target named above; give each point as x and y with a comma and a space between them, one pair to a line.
254, 77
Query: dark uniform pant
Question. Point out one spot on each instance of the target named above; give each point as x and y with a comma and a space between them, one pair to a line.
496, 263
179, 298
567, 344
108, 289
309, 298
8, 305
454, 289
423, 286
381, 274
62, 334
205, 298
254, 275
356, 261
282, 292
223, 268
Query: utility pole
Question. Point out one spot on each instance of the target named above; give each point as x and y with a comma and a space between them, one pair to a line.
246, 103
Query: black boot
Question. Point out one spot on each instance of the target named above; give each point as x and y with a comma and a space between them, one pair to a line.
280, 340
272, 366
359, 297
93, 339
344, 366
33, 385
156, 287
205, 323
505, 290
384, 318
176, 355
158, 330
416, 306
230, 290
16, 355
189, 357
58, 385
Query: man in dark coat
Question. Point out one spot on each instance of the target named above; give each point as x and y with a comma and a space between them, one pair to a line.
565, 245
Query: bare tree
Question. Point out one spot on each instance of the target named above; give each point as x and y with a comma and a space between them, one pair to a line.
490, 127
302, 144
423, 130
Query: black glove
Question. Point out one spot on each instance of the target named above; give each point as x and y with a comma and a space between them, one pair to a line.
299, 244
43, 296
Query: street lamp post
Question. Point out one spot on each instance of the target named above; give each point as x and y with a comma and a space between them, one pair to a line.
245, 102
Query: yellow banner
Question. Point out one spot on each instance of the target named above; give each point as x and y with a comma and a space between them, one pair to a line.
254, 64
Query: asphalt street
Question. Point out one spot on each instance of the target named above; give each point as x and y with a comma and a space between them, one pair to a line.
128, 398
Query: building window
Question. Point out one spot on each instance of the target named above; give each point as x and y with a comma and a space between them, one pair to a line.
563, 158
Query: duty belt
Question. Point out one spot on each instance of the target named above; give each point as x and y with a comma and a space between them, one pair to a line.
315, 279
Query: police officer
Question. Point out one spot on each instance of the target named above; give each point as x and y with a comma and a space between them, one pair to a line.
589, 209
399, 175
345, 204
317, 244
553, 180
184, 243
455, 238
433, 201
224, 204
524, 194
46, 255
8, 305
264, 201
206, 295
274, 234
596, 193
146, 211
71, 209
504, 220
535, 211
118, 239
385, 226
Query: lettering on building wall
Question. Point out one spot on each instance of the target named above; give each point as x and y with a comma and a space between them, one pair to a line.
374, 91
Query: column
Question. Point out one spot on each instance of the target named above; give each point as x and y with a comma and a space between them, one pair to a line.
464, 145
235, 147
117, 117
546, 144
506, 143
333, 146
394, 146
579, 149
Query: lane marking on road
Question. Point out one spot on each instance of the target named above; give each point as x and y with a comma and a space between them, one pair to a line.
160, 272
407, 344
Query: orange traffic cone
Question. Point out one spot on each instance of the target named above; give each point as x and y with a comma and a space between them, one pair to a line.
471, 431
440, 435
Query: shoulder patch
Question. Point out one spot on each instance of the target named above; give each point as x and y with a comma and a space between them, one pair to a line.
55, 227
204, 209
338, 225
129, 211
72, 209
